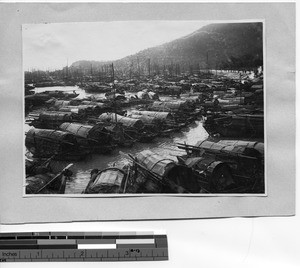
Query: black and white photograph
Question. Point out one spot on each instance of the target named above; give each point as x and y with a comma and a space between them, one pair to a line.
144, 107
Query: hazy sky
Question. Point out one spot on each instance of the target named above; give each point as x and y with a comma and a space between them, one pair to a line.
49, 46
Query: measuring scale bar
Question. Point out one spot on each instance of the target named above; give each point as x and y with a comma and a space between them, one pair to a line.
88, 247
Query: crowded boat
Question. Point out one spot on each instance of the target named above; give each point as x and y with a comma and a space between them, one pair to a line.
100, 118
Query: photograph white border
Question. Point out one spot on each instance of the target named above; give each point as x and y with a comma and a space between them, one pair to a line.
281, 152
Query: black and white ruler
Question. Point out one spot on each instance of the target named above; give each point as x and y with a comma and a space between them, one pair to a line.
83, 246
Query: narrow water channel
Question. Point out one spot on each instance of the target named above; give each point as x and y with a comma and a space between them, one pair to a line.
163, 146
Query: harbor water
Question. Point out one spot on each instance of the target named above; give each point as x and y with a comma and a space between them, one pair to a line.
163, 146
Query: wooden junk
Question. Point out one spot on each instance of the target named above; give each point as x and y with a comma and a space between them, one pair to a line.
125, 121
235, 125
45, 182
109, 181
170, 106
163, 116
182, 110
227, 166
44, 143
164, 121
157, 174
133, 128
94, 138
50, 119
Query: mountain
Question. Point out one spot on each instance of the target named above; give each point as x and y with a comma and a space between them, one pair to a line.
222, 45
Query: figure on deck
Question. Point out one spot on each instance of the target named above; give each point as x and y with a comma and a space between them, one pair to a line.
216, 104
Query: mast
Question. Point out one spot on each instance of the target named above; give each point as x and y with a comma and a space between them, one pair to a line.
67, 69
92, 71
114, 90
149, 70
216, 65
207, 62
130, 70
138, 65
99, 74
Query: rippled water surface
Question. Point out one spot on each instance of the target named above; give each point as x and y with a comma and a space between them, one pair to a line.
163, 146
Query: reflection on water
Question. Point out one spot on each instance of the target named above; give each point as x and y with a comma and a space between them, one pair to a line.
83, 94
163, 146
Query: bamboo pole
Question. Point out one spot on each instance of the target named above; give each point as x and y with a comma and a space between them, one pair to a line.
67, 167
159, 179
195, 148
114, 90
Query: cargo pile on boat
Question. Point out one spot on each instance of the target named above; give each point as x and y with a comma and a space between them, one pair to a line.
70, 128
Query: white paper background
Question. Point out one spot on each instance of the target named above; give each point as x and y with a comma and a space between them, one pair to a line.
280, 34
215, 243
248, 242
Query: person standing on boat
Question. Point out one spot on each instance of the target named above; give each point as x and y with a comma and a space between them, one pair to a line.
216, 104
